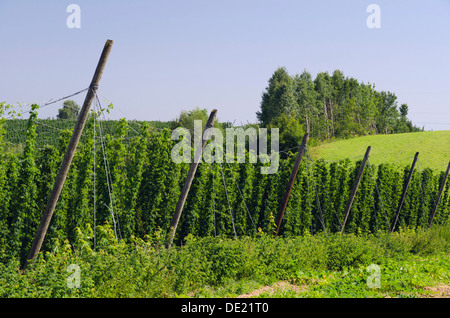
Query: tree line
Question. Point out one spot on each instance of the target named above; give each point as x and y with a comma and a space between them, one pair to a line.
331, 106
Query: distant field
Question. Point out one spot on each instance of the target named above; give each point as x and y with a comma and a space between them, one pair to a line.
49, 130
433, 148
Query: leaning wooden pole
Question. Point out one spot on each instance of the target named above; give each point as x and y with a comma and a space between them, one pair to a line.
441, 189
405, 189
355, 188
64, 169
189, 179
290, 183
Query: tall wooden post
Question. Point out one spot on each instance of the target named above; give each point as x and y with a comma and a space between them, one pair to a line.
405, 189
355, 188
190, 177
290, 183
441, 189
61, 177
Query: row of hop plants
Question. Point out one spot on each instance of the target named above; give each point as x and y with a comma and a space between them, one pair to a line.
137, 185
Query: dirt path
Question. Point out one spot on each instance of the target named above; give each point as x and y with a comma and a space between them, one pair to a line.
440, 291
277, 287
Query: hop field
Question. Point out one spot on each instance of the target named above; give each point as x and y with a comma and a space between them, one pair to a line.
109, 226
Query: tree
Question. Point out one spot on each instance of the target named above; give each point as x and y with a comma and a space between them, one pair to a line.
387, 112
306, 96
70, 110
278, 98
324, 89
186, 119
404, 110
369, 114
291, 132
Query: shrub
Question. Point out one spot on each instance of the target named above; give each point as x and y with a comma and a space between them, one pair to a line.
345, 251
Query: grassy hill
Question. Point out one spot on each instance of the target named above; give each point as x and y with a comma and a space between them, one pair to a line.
433, 148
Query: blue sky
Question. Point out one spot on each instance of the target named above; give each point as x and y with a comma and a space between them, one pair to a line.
173, 55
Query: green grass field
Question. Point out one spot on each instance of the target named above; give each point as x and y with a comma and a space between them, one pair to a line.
433, 148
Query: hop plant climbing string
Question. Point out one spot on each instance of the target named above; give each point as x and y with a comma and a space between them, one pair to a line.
107, 168
228, 200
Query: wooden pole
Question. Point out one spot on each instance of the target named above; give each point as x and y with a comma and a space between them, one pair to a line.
64, 169
441, 189
188, 181
405, 189
290, 183
355, 188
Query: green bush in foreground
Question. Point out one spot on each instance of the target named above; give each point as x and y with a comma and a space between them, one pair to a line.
331, 265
